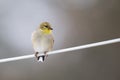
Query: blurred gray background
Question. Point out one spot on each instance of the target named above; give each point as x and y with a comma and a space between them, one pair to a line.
75, 22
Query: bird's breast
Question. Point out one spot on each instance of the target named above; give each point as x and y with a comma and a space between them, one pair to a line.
42, 43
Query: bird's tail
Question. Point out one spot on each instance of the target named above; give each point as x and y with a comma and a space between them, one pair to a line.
41, 58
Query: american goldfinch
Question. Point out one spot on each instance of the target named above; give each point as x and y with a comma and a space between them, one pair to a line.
42, 40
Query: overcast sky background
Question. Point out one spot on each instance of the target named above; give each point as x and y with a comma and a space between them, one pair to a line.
75, 22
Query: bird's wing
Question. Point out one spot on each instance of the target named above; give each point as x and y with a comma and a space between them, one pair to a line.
33, 36
52, 42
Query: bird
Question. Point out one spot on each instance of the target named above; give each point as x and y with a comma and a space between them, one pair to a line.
42, 40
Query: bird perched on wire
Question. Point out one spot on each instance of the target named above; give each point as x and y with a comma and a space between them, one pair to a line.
42, 40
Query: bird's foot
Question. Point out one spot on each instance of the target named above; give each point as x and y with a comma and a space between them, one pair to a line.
36, 55
45, 53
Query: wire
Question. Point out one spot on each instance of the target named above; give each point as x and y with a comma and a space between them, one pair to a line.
63, 50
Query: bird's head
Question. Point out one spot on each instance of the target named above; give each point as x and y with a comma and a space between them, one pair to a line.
45, 27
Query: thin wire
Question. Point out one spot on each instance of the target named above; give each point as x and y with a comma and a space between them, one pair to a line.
63, 50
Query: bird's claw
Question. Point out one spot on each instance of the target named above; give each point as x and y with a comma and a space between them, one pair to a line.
36, 55
46, 55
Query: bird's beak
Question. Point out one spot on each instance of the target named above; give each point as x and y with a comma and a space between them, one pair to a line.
51, 28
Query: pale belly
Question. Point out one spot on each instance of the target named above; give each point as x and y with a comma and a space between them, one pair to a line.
42, 44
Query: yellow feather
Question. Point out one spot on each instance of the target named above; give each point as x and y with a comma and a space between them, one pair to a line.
47, 31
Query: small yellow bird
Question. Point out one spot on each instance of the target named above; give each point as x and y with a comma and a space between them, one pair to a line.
42, 40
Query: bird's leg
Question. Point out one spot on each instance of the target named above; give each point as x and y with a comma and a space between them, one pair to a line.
36, 55
46, 55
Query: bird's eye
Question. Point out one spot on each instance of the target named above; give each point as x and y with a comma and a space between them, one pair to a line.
46, 26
